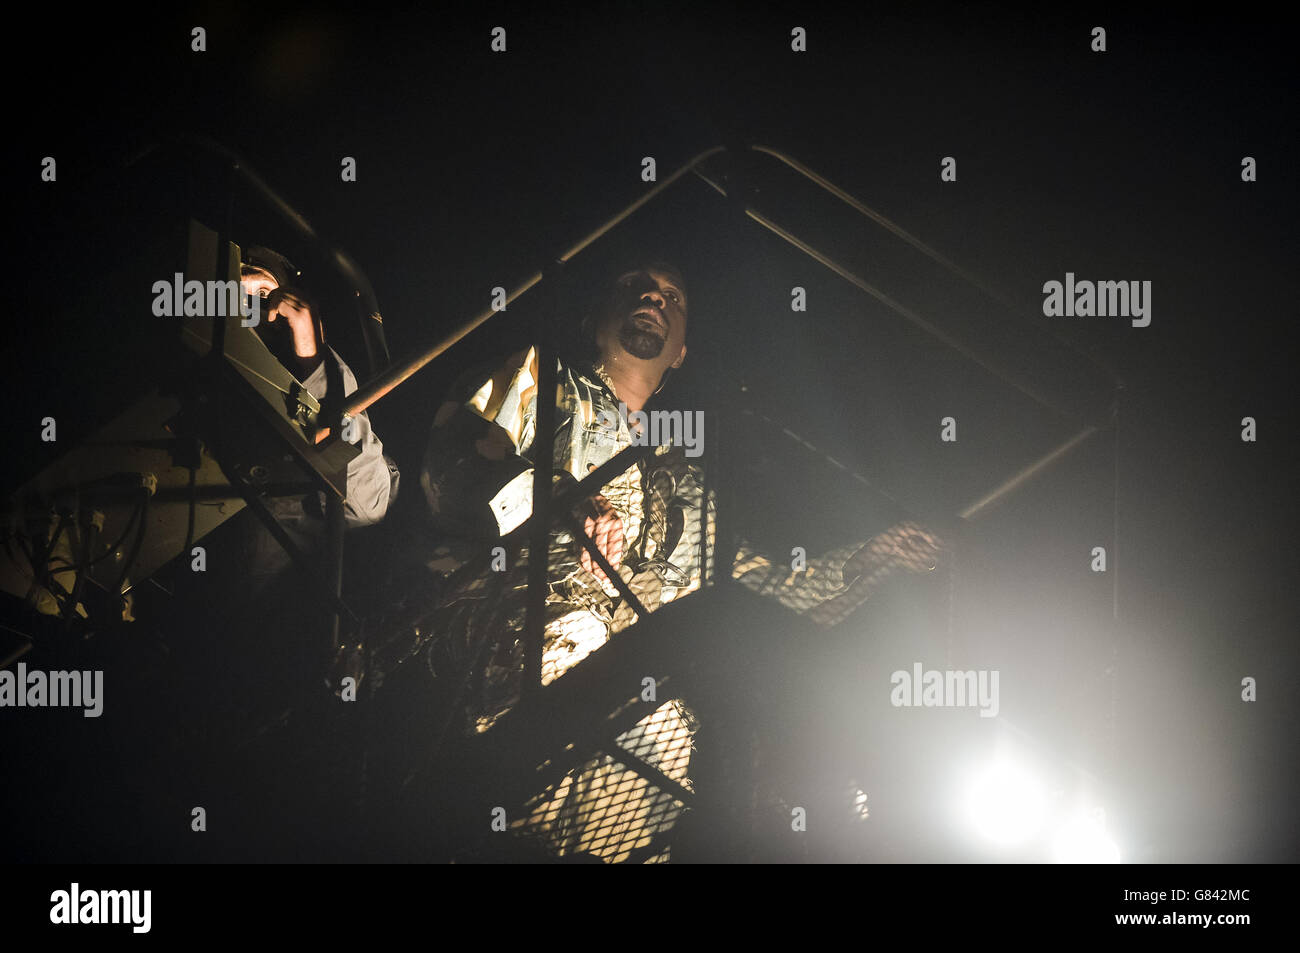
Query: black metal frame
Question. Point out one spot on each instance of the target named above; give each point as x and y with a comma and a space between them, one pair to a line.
551, 507
332, 417
739, 210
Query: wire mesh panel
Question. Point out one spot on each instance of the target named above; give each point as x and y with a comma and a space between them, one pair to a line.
615, 806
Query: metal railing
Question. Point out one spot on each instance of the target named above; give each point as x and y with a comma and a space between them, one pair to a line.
548, 510
551, 506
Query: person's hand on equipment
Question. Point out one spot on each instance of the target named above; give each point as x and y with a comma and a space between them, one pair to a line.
297, 314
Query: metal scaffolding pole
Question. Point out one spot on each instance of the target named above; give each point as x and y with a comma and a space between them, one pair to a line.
384, 383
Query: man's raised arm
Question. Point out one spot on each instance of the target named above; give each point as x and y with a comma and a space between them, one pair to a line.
480, 448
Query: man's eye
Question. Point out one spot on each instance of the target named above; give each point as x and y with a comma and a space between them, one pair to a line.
673, 295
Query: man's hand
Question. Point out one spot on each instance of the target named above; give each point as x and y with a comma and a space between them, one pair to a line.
298, 314
601, 522
914, 548
905, 545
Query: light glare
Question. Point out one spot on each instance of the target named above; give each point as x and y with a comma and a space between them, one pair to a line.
1006, 804
1084, 841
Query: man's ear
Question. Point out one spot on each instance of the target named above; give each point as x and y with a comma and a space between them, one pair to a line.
680, 357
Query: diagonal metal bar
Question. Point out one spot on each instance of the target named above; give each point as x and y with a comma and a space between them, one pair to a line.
925, 325
880, 220
984, 503
565, 500
323, 586
589, 545
651, 774
896, 230
385, 382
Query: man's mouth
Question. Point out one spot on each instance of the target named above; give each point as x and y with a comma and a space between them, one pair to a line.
652, 316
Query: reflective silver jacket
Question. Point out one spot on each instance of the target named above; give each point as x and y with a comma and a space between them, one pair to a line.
477, 481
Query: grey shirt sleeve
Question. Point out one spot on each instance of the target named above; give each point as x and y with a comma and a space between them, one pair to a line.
372, 480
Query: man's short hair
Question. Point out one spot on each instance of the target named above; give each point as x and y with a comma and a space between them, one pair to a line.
273, 263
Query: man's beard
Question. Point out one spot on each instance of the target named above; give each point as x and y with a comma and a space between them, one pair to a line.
640, 341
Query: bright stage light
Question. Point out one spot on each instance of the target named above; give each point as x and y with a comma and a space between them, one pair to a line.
1084, 841
1005, 804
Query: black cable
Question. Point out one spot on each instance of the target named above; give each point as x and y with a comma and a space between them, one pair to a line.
21, 539
135, 546
194, 502
49, 550
82, 569
135, 513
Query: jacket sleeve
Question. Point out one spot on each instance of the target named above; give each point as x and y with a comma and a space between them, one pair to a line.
807, 589
372, 477
477, 467
815, 583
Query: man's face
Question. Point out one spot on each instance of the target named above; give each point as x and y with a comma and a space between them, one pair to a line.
257, 281
646, 318
277, 302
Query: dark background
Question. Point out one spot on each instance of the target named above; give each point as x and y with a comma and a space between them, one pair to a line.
474, 167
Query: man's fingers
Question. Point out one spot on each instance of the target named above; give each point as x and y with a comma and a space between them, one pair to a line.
615, 552
601, 539
602, 536
606, 532
919, 550
585, 559
610, 540
590, 527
